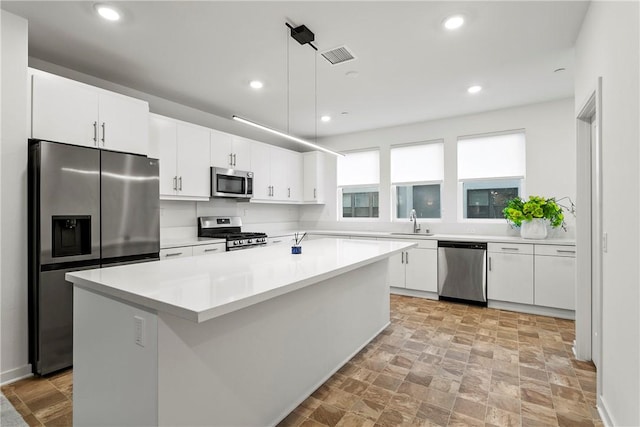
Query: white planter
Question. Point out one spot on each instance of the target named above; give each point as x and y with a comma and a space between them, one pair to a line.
534, 229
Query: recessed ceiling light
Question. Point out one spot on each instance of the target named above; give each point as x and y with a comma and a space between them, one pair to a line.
107, 12
474, 89
256, 84
454, 22
325, 118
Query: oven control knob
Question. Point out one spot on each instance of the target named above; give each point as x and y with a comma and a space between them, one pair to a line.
249, 241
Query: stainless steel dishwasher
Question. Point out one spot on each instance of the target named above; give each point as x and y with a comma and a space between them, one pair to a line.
462, 272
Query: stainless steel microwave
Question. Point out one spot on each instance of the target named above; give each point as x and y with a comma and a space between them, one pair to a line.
231, 183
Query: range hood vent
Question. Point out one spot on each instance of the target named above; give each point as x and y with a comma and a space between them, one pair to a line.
338, 55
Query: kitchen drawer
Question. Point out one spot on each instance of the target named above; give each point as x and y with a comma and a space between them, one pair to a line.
510, 248
208, 249
176, 252
556, 250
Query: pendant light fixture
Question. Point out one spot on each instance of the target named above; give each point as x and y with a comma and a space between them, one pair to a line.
303, 36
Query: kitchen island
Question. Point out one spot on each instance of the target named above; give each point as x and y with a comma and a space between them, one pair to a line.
234, 339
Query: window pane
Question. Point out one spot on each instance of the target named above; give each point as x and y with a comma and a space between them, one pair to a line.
488, 199
417, 163
425, 199
360, 168
493, 156
359, 203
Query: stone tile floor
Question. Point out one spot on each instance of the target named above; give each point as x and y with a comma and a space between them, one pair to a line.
441, 363
438, 363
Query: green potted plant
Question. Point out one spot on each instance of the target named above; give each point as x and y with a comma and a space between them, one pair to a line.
533, 215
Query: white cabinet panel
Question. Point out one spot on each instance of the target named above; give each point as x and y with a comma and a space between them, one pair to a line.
261, 168
510, 277
313, 177
163, 135
555, 276
396, 273
184, 158
123, 124
230, 151
171, 253
67, 111
64, 111
422, 269
193, 161
214, 248
279, 162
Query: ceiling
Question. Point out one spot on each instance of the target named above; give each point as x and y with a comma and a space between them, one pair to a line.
409, 69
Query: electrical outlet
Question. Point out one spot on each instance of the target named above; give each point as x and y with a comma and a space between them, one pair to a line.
139, 330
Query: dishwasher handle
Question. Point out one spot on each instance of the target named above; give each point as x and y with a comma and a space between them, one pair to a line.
462, 245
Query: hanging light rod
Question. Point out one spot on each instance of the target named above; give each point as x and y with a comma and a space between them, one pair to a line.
285, 135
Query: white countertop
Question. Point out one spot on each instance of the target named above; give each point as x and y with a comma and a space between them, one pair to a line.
188, 241
450, 237
203, 287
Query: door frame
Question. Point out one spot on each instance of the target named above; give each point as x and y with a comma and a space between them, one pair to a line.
589, 243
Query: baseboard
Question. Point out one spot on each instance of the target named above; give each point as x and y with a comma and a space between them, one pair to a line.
16, 374
533, 309
413, 293
604, 413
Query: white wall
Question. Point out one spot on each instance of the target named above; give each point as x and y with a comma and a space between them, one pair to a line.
608, 46
178, 219
551, 169
13, 228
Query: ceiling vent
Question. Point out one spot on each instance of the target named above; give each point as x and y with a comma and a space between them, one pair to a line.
338, 55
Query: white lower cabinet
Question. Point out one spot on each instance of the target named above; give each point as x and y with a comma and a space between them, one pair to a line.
555, 276
416, 268
180, 252
209, 249
510, 272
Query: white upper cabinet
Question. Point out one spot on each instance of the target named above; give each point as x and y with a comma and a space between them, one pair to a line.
313, 177
230, 151
277, 174
67, 111
184, 158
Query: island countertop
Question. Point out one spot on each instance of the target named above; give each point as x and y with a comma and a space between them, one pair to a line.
204, 287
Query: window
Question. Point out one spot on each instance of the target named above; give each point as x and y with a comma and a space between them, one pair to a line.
417, 171
491, 170
358, 181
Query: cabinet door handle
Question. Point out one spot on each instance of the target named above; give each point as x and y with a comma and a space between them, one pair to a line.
173, 254
234, 160
564, 251
489, 263
230, 159
276, 241
95, 133
180, 181
289, 192
402, 261
175, 183
407, 257
104, 133
211, 250
315, 193
510, 249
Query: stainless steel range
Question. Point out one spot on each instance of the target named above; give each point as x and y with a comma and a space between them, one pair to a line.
229, 228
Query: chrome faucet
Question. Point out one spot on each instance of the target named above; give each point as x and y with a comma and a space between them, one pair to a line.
413, 217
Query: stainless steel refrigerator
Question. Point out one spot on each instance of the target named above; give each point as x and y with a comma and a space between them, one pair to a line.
88, 208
